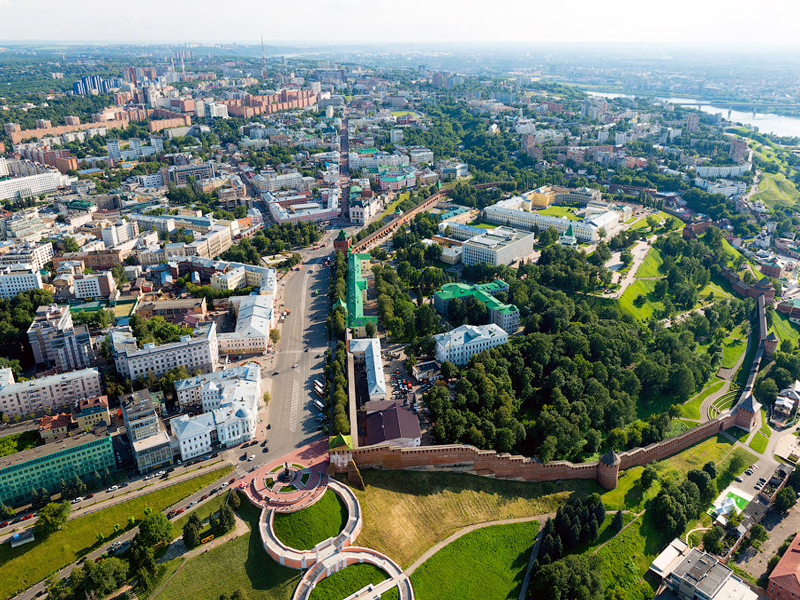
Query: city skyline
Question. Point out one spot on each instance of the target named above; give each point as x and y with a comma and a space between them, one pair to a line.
416, 21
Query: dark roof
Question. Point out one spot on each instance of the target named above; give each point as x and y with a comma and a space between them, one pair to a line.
391, 424
610, 458
749, 402
772, 336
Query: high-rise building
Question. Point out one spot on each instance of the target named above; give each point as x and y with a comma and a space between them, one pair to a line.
56, 341
19, 278
738, 151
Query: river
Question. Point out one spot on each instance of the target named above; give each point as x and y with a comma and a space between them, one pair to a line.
766, 122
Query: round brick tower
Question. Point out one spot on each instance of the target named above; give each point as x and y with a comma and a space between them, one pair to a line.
608, 470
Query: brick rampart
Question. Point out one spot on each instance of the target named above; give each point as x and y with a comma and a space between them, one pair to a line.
463, 458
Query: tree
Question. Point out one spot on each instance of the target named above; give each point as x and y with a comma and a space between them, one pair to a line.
155, 528
712, 540
191, 532
227, 520
571, 577
70, 245
274, 336
711, 468
118, 272
649, 475
652, 222
574, 537
371, 329
6, 511
619, 521
233, 500
626, 256
784, 500
52, 516
758, 534
449, 370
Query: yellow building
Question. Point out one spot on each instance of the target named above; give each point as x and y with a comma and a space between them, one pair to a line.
91, 411
542, 197
54, 427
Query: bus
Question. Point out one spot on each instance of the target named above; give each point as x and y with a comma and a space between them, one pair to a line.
319, 405
318, 383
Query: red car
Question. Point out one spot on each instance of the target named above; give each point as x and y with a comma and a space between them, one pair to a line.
87, 496
179, 511
232, 480
4, 524
204, 496
26, 517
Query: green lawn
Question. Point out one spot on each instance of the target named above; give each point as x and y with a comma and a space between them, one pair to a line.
640, 287
628, 494
22, 567
17, 442
784, 328
775, 188
408, 512
349, 580
649, 267
560, 211
627, 557
306, 528
393, 206
487, 564
760, 439
691, 408
211, 506
240, 563
733, 346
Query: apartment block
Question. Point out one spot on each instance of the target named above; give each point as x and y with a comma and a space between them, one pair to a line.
45, 393
56, 341
19, 278
197, 351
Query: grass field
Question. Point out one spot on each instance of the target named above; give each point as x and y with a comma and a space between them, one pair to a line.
628, 494
784, 328
393, 206
238, 564
211, 506
348, 581
627, 557
487, 564
306, 528
17, 442
560, 211
405, 513
649, 267
760, 439
733, 346
691, 409
640, 287
775, 188
22, 567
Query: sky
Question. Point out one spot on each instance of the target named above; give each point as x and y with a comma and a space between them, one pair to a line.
729, 23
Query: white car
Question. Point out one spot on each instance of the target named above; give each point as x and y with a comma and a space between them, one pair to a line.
113, 488
78, 499
252, 457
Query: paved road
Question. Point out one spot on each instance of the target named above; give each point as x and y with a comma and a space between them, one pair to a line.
292, 415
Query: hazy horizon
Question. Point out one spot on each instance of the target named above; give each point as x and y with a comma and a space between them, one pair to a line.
354, 23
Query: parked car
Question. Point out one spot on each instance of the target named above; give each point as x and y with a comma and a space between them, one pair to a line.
4, 524
739, 479
113, 488
252, 457
87, 496
77, 500
26, 517
204, 496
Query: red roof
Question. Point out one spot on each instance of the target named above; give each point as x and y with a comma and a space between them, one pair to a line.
49, 422
787, 572
87, 403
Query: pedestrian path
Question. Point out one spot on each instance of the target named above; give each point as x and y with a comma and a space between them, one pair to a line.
310, 479
309, 464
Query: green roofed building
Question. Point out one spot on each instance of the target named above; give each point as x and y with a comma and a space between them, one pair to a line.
340, 442
503, 315
45, 466
356, 287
